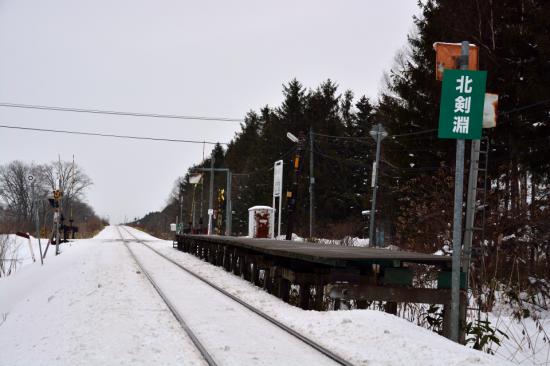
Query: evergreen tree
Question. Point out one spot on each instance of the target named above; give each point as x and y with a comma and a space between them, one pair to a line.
514, 49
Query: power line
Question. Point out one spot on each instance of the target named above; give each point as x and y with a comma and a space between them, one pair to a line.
340, 137
269, 167
362, 139
415, 133
118, 113
536, 104
349, 162
111, 135
345, 139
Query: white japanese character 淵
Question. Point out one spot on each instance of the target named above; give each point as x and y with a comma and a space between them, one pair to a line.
462, 104
461, 124
464, 84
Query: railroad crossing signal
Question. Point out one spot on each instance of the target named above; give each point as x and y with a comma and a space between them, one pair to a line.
461, 108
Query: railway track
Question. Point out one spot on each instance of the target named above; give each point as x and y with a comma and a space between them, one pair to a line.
327, 354
200, 347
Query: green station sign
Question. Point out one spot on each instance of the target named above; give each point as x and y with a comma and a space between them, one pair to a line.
461, 107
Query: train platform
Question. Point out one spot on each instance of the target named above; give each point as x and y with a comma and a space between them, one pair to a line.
324, 277
333, 255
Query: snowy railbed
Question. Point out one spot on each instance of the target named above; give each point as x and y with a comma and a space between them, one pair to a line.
88, 306
364, 336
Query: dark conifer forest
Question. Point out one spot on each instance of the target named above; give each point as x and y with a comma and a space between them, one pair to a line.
416, 176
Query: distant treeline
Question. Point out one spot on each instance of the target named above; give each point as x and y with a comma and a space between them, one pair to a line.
24, 192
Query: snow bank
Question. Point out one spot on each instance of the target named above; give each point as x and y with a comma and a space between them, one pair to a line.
20, 253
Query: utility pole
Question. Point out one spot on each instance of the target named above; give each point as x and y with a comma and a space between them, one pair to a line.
228, 208
211, 198
311, 184
38, 233
181, 219
193, 206
292, 195
59, 213
201, 222
71, 202
378, 133
457, 220
37, 218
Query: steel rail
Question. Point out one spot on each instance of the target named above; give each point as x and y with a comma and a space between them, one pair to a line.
338, 359
205, 354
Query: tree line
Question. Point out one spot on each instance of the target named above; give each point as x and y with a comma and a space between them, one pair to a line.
26, 187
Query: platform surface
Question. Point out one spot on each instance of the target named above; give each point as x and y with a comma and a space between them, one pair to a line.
323, 253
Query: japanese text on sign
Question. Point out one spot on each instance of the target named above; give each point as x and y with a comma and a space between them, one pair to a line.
461, 123
462, 101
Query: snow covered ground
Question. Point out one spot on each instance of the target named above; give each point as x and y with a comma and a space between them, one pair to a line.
89, 306
526, 341
18, 253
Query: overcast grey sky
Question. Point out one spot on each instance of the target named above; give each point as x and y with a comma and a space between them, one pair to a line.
210, 58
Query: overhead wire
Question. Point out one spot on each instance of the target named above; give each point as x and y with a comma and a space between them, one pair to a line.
269, 167
340, 137
357, 163
97, 134
208, 118
365, 140
529, 106
370, 139
414, 133
345, 139
350, 162
121, 113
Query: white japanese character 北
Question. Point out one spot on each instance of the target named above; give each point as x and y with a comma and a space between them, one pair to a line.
464, 84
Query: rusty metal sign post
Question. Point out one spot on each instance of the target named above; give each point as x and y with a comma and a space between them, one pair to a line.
460, 118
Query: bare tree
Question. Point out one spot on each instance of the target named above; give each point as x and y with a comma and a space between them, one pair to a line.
8, 255
24, 187
67, 177
20, 189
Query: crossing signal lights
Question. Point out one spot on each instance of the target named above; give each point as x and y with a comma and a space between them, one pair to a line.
221, 195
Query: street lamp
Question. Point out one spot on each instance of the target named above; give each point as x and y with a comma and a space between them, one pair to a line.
292, 138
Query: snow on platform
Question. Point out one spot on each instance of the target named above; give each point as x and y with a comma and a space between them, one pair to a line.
88, 306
